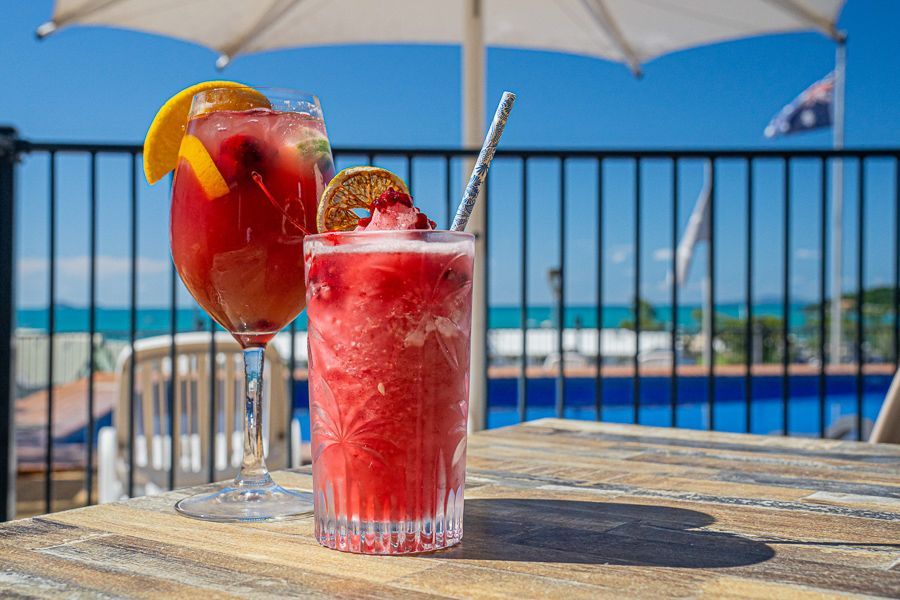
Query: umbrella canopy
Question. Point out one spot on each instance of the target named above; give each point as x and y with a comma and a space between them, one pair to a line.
626, 31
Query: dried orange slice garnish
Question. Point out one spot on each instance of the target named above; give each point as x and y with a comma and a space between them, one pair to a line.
353, 188
163, 139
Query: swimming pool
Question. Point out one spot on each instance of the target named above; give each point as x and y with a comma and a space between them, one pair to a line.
692, 411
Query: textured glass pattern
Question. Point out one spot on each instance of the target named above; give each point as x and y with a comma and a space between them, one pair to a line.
389, 325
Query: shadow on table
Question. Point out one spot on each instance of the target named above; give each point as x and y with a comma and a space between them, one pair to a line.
565, 531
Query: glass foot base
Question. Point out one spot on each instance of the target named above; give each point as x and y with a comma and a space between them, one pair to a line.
235, 504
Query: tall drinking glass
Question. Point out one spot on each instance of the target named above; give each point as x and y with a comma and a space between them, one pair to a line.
389, 324
252, 168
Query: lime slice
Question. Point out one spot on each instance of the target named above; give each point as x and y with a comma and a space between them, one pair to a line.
317, 146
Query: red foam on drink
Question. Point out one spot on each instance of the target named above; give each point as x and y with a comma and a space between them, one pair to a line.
394, 210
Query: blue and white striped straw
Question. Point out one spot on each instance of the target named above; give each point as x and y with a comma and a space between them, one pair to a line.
479, 173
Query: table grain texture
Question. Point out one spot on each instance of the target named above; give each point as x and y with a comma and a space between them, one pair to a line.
554, 508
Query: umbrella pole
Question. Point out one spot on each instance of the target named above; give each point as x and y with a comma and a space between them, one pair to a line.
837, 203
473, 80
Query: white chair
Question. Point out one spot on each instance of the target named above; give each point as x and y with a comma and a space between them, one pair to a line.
152, 372
887, 426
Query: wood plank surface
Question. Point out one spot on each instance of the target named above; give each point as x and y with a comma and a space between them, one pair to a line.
554, 508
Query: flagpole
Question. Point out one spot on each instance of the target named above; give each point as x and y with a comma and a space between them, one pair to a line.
699, 229
837, 202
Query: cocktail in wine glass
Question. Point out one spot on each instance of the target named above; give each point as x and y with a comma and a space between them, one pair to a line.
252, 165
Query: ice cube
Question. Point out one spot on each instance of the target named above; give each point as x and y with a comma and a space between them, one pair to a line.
291, 129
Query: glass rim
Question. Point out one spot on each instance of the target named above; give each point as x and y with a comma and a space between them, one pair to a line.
411, 234
275, 95
281, 92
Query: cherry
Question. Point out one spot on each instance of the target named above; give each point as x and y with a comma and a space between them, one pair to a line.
240, 156
422, 221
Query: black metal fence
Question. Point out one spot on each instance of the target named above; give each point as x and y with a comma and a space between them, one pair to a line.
570, 268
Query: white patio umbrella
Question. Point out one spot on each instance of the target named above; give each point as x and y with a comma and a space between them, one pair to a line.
627, 31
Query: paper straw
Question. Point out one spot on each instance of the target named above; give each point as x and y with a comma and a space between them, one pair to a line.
479, 173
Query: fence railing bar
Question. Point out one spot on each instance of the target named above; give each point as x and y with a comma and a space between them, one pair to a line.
448, 190
626, 153
711, 269
748, 305
292, 394
173, 375
212, 417
598, 374
636, 363
9, 143
173, 365
522, 399
896, 331
92, 328
409, 173
561, 297
51, 331
860, 290
786, 299
823, 254
26, 146
29, 146
673, 376
132, 317
485, 308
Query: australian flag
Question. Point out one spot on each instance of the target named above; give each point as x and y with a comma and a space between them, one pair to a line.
810, 110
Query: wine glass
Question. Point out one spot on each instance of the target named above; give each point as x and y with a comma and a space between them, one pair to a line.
252, 167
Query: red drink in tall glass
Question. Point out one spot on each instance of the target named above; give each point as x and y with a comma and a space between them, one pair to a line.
389, 325
240, 254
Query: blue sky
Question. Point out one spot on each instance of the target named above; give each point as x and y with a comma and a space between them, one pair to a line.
106, 85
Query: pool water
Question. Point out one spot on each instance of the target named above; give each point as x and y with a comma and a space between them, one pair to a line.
692, 411
765, 414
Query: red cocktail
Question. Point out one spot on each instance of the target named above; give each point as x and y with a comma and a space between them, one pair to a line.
240, 254
389, 325
251, 169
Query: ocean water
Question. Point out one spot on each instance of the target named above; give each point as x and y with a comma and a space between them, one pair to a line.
115, 322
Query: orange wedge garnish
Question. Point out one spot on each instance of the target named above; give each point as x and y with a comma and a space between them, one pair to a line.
196, 155
163, 140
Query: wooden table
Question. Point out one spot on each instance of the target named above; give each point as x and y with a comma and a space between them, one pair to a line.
554, 508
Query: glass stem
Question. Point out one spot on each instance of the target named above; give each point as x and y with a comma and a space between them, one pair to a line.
253, 472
